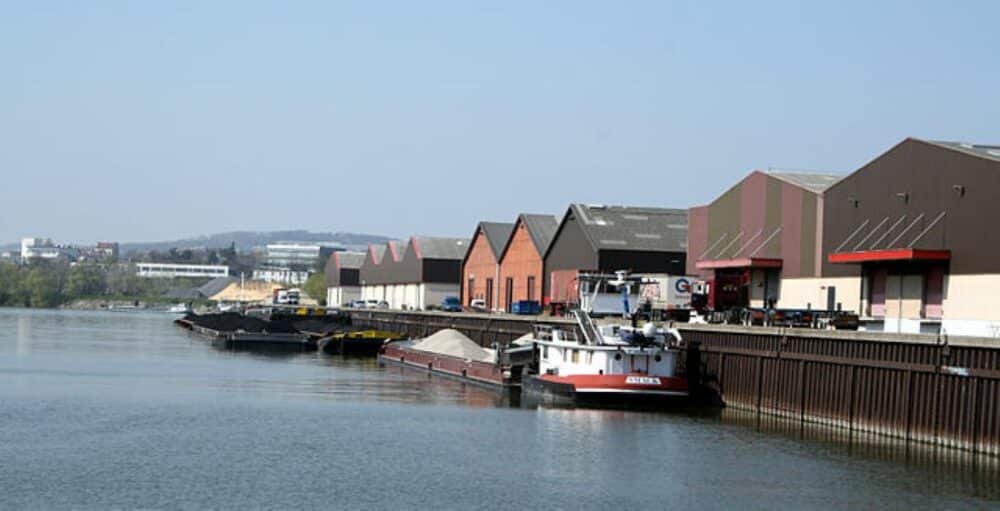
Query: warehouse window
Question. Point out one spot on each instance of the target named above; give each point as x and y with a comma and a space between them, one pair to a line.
531, 287
472, 289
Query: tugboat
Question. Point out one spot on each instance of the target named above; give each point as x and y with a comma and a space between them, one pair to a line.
609, 365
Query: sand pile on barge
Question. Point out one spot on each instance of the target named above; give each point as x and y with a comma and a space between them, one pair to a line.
453, 343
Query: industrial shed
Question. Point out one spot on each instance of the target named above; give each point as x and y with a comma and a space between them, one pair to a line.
343, 277
521, 259
370, 273
755, 241
609, 238
913, 232
480, 267
415, 275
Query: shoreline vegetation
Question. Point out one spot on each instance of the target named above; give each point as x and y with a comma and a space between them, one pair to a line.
86, 285
94, 285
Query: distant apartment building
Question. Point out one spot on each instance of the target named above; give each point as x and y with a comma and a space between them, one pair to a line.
288, 255
169, 270
39, 248
108, 249
281, 275
292, 263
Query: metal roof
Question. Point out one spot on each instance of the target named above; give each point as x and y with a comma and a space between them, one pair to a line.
350, 260
813, 182
541, 228
440, 248
633, 228
991, 152
496, 234
398, 249
377, 252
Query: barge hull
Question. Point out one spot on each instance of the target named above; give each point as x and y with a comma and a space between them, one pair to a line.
471, 370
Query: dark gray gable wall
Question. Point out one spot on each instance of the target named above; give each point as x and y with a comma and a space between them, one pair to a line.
570, 249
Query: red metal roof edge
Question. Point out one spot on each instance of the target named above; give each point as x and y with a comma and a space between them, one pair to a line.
891, 254
744, 262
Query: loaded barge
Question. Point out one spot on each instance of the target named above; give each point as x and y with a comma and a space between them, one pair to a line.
243, 340
357, 343
451, 353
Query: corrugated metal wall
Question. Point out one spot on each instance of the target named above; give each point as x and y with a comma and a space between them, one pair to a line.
939, 394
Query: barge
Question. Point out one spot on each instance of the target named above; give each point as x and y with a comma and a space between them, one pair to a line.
361, 343
240, 339
451, 353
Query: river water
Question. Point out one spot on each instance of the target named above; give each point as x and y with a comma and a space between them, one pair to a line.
104, 410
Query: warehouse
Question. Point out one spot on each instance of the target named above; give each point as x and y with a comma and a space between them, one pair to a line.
756, 240
369, 273
914, 231
343, 277
521, 258
480, 267
609, 238
415, 275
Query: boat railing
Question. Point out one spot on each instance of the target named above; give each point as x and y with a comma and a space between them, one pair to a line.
551, 333
586, 324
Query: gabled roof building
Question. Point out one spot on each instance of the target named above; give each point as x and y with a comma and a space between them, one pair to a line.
522, 259
610, 238
912, 232
757, 235
343, 277
416, 274
480, 266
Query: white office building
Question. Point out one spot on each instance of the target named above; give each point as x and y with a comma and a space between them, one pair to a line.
39, 248
169, 270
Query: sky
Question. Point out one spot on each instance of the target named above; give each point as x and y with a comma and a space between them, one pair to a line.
142, 121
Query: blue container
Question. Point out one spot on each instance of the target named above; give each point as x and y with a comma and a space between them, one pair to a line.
526, 307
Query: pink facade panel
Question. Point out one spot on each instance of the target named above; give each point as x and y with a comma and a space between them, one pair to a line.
697, 236
753, 211
791, 228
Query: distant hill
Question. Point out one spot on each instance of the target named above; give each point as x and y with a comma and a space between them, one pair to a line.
247, 240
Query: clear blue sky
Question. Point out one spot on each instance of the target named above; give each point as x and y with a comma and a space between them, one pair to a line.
153, 120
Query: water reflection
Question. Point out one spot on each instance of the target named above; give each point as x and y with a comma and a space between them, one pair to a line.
980, 471
121, 367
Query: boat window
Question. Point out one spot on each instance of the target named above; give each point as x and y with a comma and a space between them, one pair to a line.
576, 356
545, 352
590, 357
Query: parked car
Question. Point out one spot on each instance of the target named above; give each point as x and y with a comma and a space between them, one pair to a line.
383, 304
451, 304
478, 305
357, 304
371, 304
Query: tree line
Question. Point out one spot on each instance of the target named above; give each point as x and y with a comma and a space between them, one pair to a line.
53, 283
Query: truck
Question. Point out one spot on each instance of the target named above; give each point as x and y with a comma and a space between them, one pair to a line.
658, 296
286, 296
664, 296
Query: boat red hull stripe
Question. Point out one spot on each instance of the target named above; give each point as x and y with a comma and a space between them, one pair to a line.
669, 385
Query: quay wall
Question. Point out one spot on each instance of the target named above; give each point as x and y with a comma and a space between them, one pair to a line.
931, 389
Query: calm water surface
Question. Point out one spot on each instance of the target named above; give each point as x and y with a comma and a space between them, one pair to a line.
104, 410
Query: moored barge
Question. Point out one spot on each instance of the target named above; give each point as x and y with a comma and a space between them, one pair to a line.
451, 353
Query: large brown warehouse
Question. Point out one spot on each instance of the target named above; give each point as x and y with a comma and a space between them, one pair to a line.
906, 240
